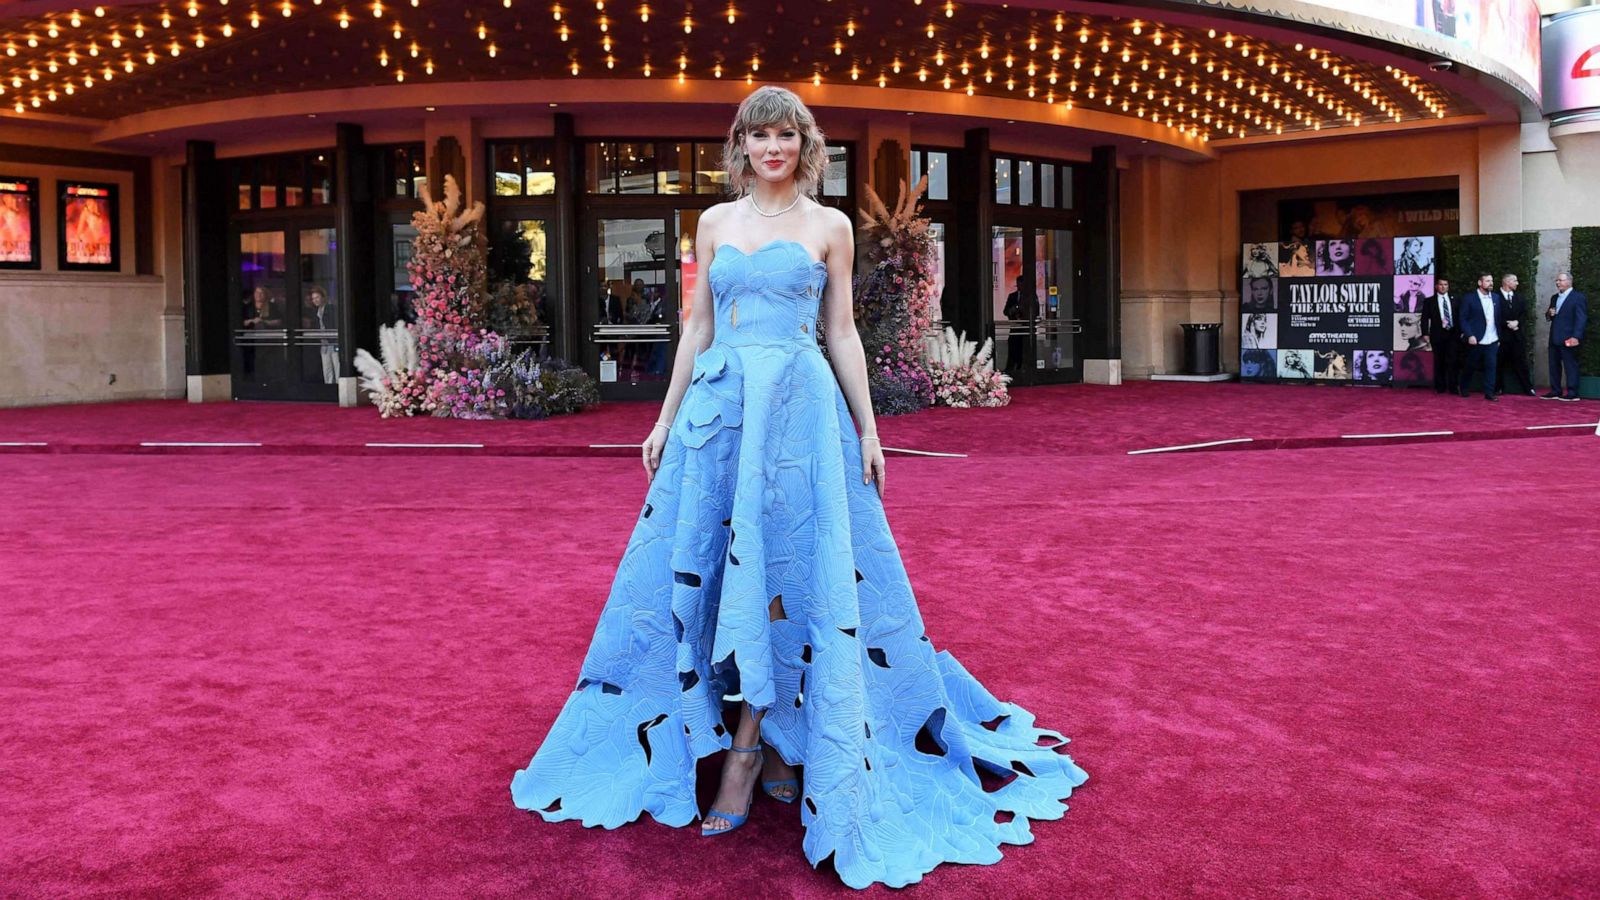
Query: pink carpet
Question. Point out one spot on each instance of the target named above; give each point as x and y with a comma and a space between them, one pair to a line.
1068, 419
1367, 671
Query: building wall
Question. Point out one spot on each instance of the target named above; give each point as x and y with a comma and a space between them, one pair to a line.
1560, 179
1180, 250
72, 337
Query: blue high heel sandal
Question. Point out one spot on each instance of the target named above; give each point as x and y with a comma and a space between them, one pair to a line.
771, 788
734, 821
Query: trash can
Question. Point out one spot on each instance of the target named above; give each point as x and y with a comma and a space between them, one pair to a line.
1200, 348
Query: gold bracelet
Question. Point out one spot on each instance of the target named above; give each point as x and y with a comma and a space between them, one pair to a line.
871, 437
663, 425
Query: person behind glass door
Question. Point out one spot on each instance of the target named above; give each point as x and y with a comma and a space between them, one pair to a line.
1444, 334
1482, 322
652, 311
260, 311
1513, 350
1569, 316
610, 314
1015, 311
321, 316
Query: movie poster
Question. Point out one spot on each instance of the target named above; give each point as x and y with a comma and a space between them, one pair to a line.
1352, 316
88, 215
1361, 217
19, 223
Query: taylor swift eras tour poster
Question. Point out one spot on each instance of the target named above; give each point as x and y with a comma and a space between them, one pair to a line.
88, 226
1354, 316
19, 223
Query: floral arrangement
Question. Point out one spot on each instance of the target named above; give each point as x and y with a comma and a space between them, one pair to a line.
536, 388
396, 382
447, 261
893, 300
458, 374
963, 374
455, 361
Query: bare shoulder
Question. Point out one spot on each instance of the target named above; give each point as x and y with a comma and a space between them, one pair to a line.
837, 229
712, 223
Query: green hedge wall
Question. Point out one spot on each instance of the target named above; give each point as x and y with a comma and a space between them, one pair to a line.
1586, 278
1463, 256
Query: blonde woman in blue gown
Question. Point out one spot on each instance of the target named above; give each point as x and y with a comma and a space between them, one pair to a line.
761, 578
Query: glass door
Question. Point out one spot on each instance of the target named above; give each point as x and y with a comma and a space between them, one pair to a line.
630, 303
1056, 328
285, 322
1012, 301
260, 325
313, 319
519, 279
1034, 303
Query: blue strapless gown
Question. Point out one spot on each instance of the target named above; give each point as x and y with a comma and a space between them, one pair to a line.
758, 508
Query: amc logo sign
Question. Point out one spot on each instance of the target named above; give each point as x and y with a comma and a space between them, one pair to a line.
1587, 64
1571, 51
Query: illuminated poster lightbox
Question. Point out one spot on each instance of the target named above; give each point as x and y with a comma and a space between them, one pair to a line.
87, 214
19, 223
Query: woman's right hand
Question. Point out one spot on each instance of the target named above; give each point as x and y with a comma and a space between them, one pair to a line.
651, 448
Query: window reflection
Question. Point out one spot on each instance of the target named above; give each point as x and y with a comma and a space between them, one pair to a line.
836, 179
1002, 180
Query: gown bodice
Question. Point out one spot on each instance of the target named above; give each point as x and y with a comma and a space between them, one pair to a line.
770, 295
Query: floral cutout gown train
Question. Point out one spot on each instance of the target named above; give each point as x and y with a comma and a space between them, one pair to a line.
762, 567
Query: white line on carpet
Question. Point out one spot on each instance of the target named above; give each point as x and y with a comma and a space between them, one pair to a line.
426, 446
886, 450
1547, 427
23, 444
199, 444
1191, 446
925, 453
1397, 434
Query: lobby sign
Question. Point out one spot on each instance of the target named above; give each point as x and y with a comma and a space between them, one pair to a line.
1341, 311
1572, 64
19, 222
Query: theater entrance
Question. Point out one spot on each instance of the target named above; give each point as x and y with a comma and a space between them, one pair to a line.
1038, 278
638, 265
284, 325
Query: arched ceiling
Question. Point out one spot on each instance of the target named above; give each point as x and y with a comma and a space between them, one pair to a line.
1198, 82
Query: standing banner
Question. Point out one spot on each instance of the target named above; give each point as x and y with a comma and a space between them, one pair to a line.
1342, 311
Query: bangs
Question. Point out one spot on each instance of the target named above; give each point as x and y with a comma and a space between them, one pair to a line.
771, 109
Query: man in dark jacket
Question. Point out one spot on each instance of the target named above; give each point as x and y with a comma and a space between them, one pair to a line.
1569, 316
1513, 349
1444, 334
1482, 321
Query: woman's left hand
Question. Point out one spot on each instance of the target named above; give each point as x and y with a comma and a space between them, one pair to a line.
872, 464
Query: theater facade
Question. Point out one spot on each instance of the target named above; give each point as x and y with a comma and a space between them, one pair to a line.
213, 199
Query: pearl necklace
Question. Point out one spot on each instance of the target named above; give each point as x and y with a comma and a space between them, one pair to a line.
773, 215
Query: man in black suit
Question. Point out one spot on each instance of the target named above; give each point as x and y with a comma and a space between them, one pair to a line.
610, 304
1513, 350
1019, 310
1482, 321
1440, 325
1569, 316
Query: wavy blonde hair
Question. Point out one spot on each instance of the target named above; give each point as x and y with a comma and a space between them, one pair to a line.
768, 107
